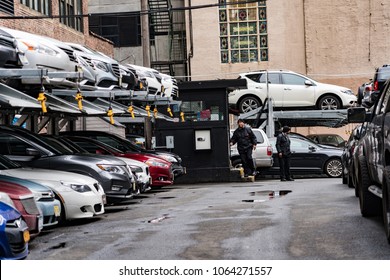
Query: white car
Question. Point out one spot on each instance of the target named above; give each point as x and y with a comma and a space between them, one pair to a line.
80, 196
39, 52
170, 86
289, 90
154, 85
141, 171
262, 155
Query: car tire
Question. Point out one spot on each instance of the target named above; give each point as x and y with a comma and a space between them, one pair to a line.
236, 163
350, 181
329, 102
333, 168
369, 203
249, 103
344, 179
386, 202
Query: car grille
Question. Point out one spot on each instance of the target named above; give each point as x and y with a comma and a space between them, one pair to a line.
7, 43
152, 90
70, 54
17, 247
115, 69
88, 60
30, 206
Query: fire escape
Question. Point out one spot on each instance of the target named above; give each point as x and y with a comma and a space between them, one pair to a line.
167, 38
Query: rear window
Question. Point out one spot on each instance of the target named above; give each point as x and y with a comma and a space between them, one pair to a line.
383, 73
259, 137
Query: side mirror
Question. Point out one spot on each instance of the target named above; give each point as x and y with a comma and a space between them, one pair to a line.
33, 152
308, 83
358, 115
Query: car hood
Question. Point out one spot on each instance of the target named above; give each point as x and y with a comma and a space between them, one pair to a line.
32, 186
48, 175
130, 161
332, 87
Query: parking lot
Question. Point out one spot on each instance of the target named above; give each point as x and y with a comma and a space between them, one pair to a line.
308, 219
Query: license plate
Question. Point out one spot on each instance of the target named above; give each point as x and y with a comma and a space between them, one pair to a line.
23, 59
26, 236
40, 222
104, 198
57, 211
134, 187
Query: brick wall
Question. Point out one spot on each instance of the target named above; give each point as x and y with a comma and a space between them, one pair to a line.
54, 29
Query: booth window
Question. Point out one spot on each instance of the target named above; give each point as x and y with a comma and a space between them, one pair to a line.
201, 111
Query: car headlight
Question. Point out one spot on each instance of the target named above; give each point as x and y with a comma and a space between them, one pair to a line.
112, 168
100, 65
136, 169
347, 91
38, 47
168, 158
77, 187
152, 162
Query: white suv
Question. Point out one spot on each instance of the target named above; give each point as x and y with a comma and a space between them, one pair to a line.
262, 155
289, 90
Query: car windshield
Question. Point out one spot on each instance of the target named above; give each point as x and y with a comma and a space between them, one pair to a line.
58, 145
5, 163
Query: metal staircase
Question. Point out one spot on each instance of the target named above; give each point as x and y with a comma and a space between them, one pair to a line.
169, 24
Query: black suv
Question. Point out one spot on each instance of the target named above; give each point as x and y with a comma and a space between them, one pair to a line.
368, 93
372, 164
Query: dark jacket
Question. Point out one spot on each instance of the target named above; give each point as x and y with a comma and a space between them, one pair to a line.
244, 137
283, 144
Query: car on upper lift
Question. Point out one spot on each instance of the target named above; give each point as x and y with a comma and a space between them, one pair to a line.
288, 90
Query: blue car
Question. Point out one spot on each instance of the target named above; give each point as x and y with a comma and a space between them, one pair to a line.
44, 197
14, 234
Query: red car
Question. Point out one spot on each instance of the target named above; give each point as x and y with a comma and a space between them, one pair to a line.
25, 203
160, 169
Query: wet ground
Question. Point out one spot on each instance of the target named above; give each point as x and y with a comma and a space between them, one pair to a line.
310, 218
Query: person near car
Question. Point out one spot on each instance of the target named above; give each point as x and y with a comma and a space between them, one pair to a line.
246, 143
284, 154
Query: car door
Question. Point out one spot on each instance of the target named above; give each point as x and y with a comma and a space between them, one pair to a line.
305, 156
275, 88
295, 91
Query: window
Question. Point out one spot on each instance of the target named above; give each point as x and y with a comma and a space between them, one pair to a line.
42, 6
122, 30
7, 6
291, 79
243, 31
71, 13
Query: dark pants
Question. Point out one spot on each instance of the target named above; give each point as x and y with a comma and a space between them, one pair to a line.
284, 164
247, 161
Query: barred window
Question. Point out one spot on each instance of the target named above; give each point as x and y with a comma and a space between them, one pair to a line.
7, 6
42, 6
71, 13
243, 31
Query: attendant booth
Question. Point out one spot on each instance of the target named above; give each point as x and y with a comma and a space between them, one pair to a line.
200, 134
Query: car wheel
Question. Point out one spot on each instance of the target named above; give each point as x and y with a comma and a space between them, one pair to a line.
333, 168
344, 177
386, 202
237, 163
248, 104
329, 102
370, 205
350, 181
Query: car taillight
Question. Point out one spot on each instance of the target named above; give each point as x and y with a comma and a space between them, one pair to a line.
376, 85
269, 151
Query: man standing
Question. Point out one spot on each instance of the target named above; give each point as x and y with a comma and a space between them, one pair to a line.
246, 143
284, 154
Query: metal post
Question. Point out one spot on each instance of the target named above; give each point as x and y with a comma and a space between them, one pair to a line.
145, 33
270, 120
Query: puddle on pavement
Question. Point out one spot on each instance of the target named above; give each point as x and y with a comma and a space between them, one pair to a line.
58, 246
160, 219
268, 195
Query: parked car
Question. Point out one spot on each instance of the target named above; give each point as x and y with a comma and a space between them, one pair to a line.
24, 202
170, 86
328, 139
372, 88
9, 53
160, 169
39, 52
309, 158
125, 145
14, 233
289, 90
139, 169
31, 149
262, 155
154, 87
373, 170
44, 197
105, 71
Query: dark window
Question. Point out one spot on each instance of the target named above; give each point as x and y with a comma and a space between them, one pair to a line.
71, 13
7, 6
122, 30
42, 6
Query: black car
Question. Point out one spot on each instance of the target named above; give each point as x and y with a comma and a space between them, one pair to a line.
309, 158
125, 145
30, 149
